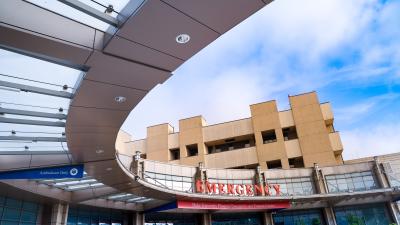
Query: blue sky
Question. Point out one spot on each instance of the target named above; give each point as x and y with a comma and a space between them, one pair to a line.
347, 51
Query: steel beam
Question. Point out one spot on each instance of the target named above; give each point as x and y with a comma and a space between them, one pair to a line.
45, 153
32, 122
38, 90
91, 11
33, 113
41, 139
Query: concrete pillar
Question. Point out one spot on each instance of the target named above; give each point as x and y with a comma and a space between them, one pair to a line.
267, 218
56, 214
383, 183
206, 219
394, 212
329, 215
138, 218
319, 180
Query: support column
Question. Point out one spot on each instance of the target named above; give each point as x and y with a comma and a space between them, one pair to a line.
138, 218
329, 215
267, 218
383, 183
319, 180
206, 219
394, 212
56, 214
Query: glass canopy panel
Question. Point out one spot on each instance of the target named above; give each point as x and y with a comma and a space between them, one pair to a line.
77, 15
126, 197
31, 121
69, 184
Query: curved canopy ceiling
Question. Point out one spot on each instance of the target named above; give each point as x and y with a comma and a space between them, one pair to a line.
97, 55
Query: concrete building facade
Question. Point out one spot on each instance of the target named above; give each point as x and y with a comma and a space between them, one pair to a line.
294, 138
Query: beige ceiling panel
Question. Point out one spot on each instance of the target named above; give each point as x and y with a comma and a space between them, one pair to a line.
118, 71
142, 54
50, 160
99, 95
90, 129
219, 15
82, 154
43, 46
9, 162
92, 117
159, 32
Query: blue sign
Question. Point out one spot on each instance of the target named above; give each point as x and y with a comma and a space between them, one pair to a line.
70, 171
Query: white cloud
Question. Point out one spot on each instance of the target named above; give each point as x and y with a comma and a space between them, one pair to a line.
371, 140
283, 49
358, 111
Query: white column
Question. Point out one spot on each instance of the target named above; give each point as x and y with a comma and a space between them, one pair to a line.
138, 218
267, 217
206, 219
329, 215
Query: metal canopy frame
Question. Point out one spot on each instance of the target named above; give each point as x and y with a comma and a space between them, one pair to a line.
38, 90
59, 116
91, 11
34, 139
32, 122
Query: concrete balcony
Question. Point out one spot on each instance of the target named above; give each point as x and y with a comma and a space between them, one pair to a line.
228, 130
327, 112
336, 142
233, 158
293, 148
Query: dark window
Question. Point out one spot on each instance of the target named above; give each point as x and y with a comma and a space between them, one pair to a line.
230, 144
274, 164
296, 162
268, 136
192, 150
174, 153
289, 133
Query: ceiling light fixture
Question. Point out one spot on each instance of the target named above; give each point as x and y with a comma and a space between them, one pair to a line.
109, 169
182, 38
99, 151
120, 99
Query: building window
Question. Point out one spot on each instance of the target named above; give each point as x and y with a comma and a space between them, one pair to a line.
309, 217
289, 133
230, 144
268, 136
296, 162
359, 181
294, 186
274, 164
192, 150
174, 182
174, 154
171, 218
241, 218
362, 214
13, 211
92, 215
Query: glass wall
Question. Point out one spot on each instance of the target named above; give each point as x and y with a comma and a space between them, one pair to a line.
94, 216
306, 217
172, 219
359, 181
179, 183
362, 215
294, 186
236, 219
15, 212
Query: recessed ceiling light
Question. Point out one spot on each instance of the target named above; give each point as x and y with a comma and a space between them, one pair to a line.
99, 151
109, 169
120, 99
182, 38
